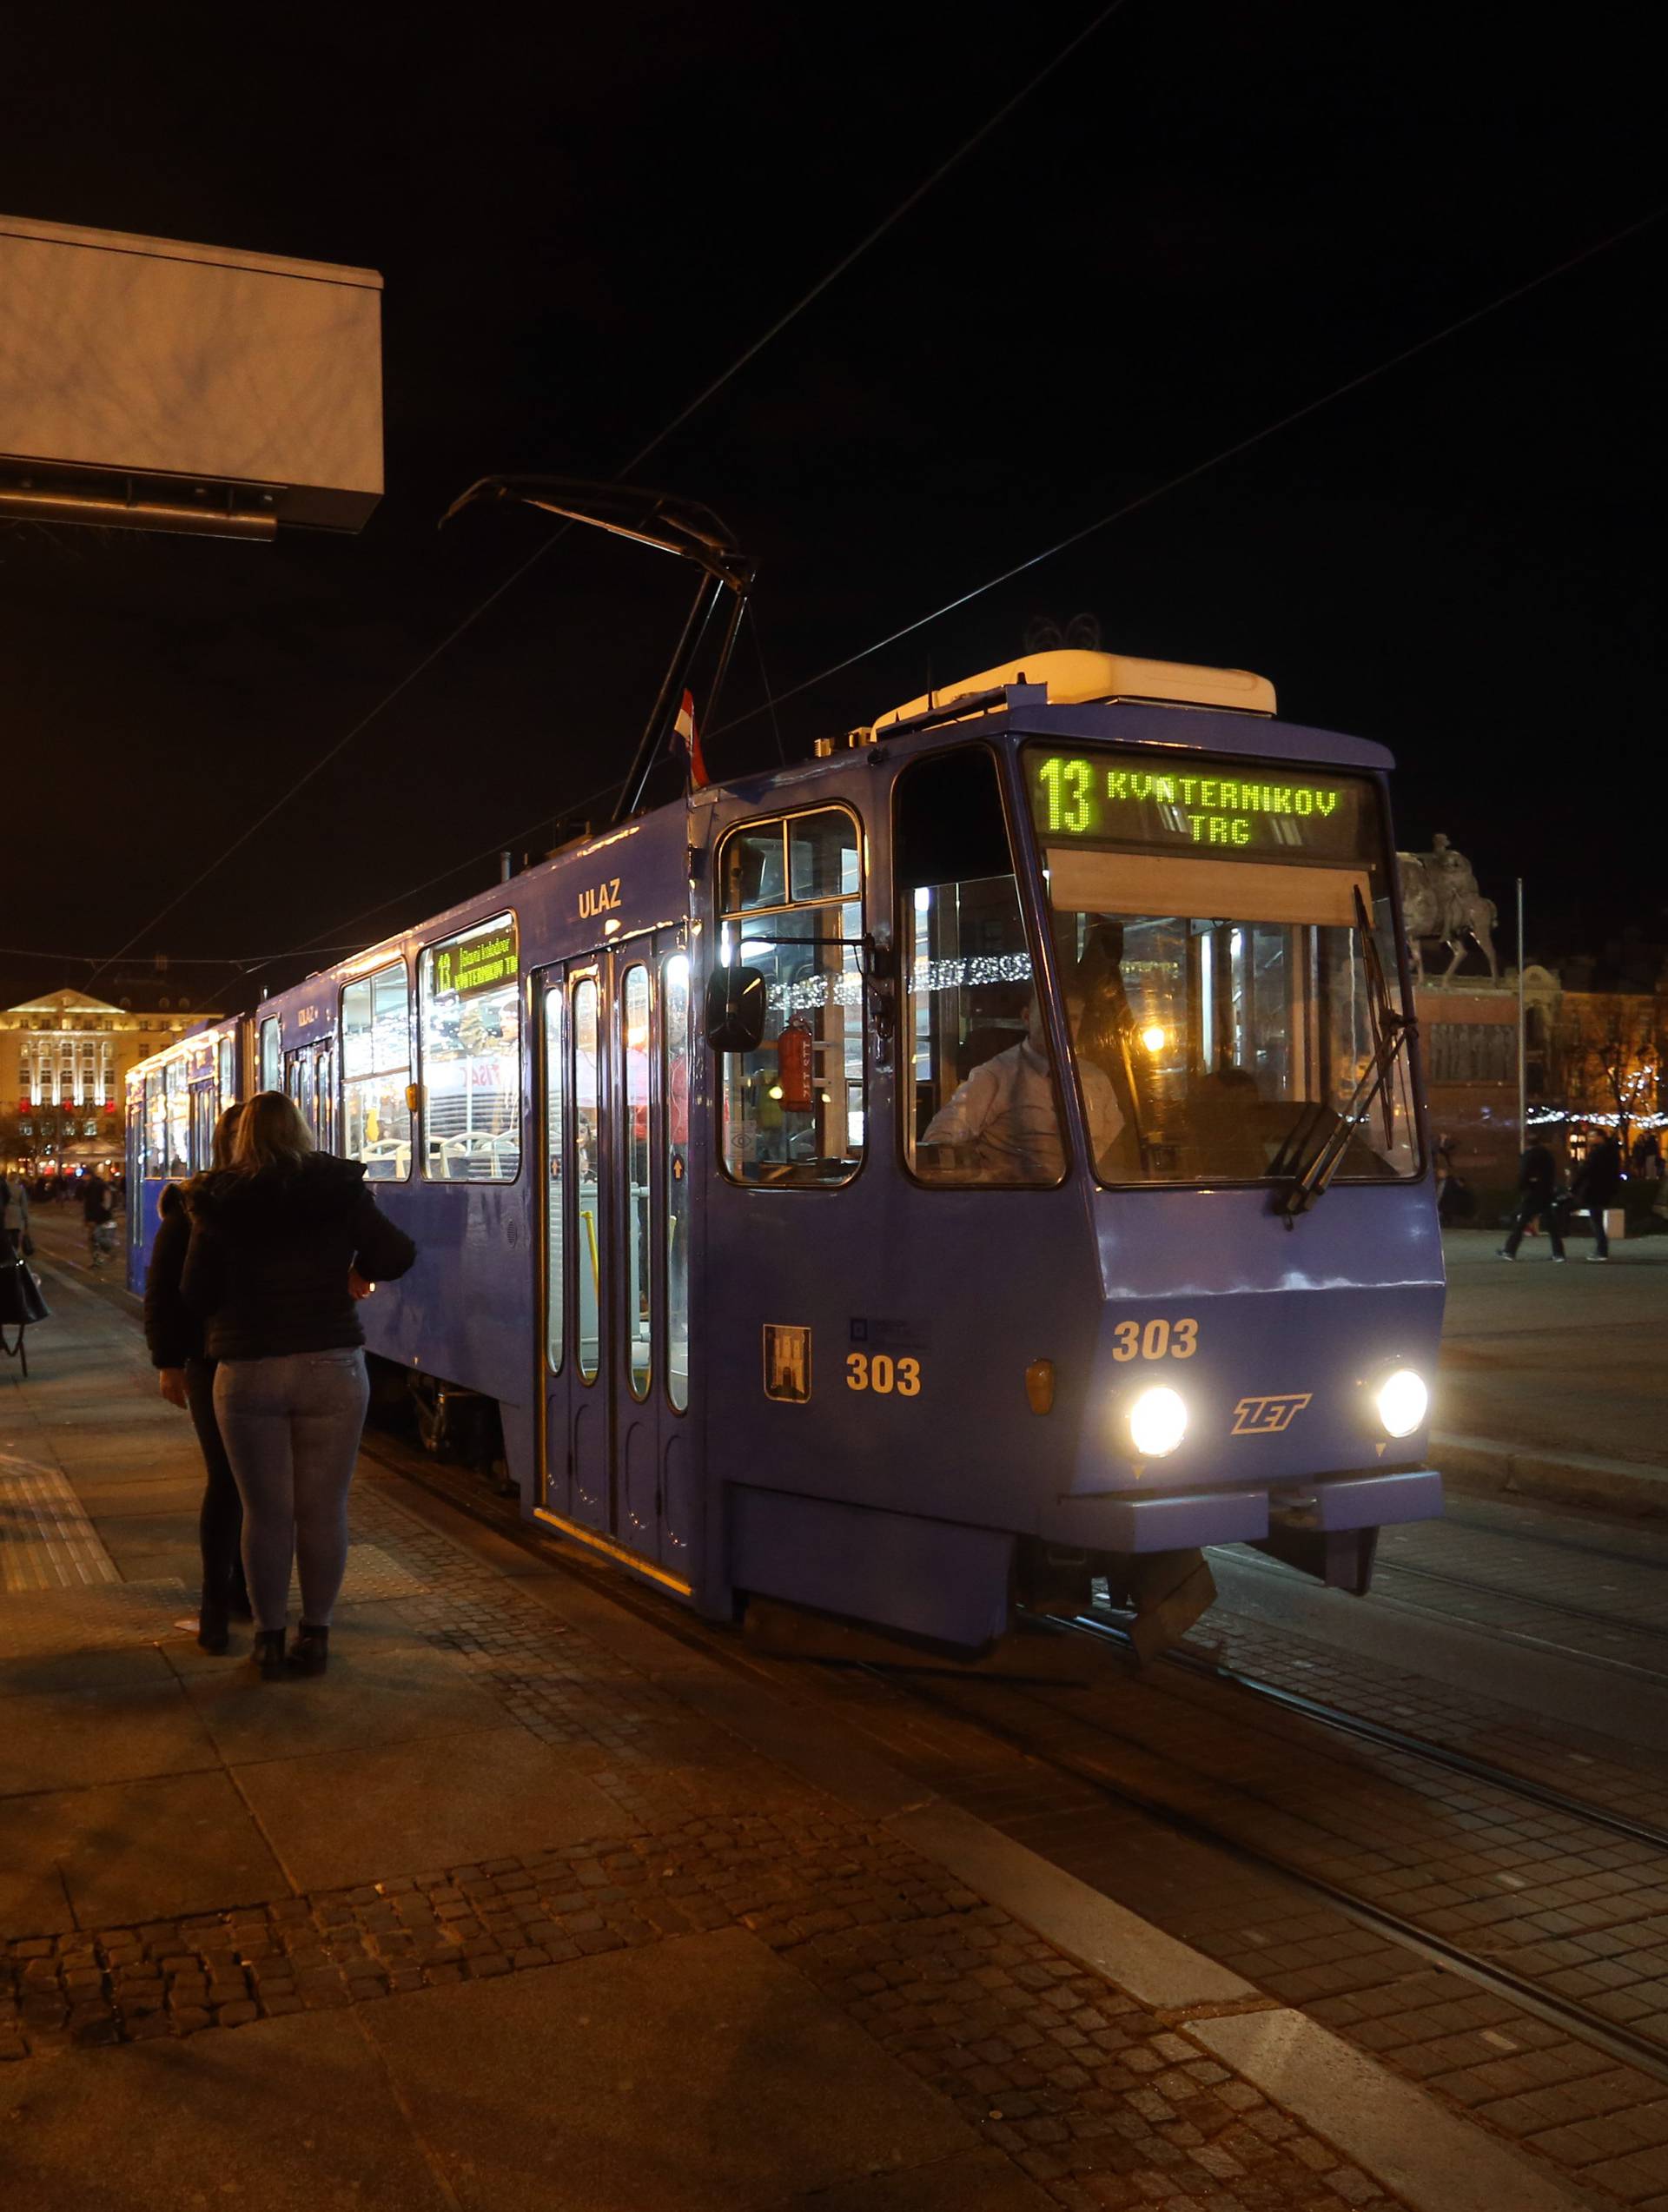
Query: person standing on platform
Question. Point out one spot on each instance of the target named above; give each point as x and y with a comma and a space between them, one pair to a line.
283, 1243
186, 1379
1537, 1190
1596, 1186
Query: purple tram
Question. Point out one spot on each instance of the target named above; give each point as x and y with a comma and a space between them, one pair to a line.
983, 1161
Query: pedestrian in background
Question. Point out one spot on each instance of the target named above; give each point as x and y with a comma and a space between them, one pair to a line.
14, 1217
1537, 1194
98, 1212
283, 1243
1596, 1187
186, 1379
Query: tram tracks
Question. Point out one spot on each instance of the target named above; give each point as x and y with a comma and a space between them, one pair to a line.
1381, 1732
1500, 1631
1108, 1775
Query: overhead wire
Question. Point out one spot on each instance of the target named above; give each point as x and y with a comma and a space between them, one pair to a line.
1130, 506
1203, 468
750, 353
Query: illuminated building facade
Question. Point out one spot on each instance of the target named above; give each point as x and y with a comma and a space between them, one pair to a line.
63, 1060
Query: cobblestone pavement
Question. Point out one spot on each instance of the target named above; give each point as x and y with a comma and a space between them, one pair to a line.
1084, 2093
1586, 1912
1555, 1359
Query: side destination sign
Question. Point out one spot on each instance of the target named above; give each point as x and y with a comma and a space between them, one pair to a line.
1156, 804
486, 961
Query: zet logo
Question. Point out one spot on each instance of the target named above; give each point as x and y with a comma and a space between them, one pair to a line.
1268, 1416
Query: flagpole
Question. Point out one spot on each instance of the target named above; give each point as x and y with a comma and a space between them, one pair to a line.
1523, 1063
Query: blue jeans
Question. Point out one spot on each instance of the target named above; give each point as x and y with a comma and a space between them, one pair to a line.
291, 1427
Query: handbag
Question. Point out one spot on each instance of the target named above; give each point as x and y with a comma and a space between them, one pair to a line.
20, 1305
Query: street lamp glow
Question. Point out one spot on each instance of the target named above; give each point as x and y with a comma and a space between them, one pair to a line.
1154, 1038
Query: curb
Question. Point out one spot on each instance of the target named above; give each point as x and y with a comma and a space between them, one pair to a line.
1488, 1465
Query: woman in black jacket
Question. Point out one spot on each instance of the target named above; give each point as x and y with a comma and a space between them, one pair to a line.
186, 1380
283, 1243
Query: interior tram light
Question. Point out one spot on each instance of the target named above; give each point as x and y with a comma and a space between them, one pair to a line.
1402, 1402
1158, 1421
1154, 1038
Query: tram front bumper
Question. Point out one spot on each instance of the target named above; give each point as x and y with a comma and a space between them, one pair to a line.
1156, 1521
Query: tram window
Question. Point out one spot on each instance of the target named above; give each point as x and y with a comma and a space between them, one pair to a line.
635, 1157
227, 1064
472, 1056
555, 1089
272, 1054
203, 1125
809, 909
587, 1099
177, 1104
676, 1010
983, 1106
156, 1126
375, 1072
1232, 999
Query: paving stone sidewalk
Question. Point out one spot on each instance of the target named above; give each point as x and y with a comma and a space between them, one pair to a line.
488, 1917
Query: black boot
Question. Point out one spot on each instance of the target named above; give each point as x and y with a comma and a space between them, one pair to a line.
269, 1654
212, 1634
310, 1652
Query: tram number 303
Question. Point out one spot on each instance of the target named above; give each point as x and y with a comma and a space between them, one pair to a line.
880, 1372
1157, 1339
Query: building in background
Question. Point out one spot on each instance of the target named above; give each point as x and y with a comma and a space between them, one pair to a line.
63, 1060
1595, 1052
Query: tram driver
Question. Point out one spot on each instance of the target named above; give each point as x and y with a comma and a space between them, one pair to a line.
1005, 1118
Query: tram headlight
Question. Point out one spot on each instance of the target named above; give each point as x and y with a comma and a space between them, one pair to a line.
1403, 1402
1158, 1421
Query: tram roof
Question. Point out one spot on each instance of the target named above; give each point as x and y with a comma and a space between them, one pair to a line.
1118, 698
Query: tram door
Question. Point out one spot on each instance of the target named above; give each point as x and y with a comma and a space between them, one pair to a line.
298, 1081
324, 1095
604, 1252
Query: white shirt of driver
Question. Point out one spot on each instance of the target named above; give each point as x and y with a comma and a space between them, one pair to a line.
1005, 1112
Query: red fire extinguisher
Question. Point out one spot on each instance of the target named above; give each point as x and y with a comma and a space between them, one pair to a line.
793, 1064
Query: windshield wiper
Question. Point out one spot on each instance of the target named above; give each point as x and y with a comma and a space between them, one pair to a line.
1390, 1031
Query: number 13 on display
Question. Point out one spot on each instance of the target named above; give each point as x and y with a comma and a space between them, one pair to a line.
879, 1371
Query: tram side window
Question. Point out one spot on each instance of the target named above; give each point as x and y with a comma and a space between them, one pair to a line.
798, 881
272, 1054
375, 1070
178, 1107
227, 1076
156, 1126
985, 1104
472, 1056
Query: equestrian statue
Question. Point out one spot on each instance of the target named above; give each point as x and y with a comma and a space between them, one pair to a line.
1441, 900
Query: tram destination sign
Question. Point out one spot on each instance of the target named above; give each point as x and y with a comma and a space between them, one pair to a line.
1156, 803
484, 961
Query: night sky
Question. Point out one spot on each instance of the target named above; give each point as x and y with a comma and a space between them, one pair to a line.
1210, 216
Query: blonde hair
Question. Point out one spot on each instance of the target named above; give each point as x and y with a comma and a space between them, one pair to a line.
220, 1145
270, 1133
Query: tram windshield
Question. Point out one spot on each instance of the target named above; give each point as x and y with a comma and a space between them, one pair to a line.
1227, 932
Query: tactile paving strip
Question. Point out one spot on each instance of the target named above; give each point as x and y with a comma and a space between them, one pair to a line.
46, 1540
105, 1616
